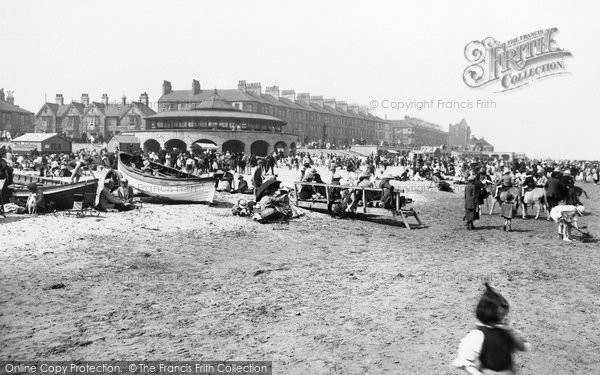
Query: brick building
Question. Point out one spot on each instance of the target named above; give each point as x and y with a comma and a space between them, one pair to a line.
459, 135
414, 132
98, 119
312, 118
14, 120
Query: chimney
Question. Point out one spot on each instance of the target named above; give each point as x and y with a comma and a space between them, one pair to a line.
167, 87
2, 94
59, 99
353, 108
304, 97
273, 91
329, 103
85, 99
289, 94
242, 85
105, 99
124, 100
144, 99
341, 105
10, 98
316, 100
254, 87
195, 87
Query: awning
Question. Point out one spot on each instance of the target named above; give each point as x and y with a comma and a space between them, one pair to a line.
204, 145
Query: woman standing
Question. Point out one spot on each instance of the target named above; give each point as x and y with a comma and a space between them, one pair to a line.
471, 202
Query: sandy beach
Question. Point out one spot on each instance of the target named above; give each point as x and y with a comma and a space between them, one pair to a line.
317, 295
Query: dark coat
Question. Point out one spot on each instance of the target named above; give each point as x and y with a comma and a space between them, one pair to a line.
471, 196
554, 188
480, 191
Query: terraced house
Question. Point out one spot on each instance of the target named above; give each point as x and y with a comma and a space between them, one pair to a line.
14, 120
311, 118
96, 119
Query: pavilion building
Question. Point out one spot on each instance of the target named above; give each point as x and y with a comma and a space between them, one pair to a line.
214, 122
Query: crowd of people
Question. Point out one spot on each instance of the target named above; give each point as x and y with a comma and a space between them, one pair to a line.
230, 168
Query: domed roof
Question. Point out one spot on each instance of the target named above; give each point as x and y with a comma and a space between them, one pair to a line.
215, 103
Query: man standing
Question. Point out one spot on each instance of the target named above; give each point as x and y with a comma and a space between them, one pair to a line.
471, 202
257, 178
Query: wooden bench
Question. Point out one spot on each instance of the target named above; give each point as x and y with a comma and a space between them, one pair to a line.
323, 203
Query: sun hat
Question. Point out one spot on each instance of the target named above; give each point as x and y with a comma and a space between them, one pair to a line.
242, 203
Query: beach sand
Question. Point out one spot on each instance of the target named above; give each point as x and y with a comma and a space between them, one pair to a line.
317, 295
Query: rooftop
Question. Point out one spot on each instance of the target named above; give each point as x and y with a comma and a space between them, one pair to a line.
7, 107
35, 137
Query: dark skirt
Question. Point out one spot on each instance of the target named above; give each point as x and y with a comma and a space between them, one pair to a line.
507, 210
471, 214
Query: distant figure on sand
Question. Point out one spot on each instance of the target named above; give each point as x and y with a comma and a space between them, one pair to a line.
471, 202
507, 209
566, 217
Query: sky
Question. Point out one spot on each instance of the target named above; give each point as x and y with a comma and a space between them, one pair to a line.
372, 53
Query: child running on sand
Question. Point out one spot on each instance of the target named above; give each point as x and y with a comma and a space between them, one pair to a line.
488, 348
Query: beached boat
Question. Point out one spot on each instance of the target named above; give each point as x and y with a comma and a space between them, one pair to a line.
167, 184
59, 194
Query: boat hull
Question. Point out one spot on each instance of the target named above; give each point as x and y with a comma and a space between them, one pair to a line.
166, 188
61, 195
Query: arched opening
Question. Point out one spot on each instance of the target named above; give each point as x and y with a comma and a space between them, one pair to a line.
202, 145
293, 148
281, 147
259, 148
151, 145
175, 143
233, 146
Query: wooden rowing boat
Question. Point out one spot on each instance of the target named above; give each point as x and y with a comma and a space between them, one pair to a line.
167, 184
24, 179
61, 194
